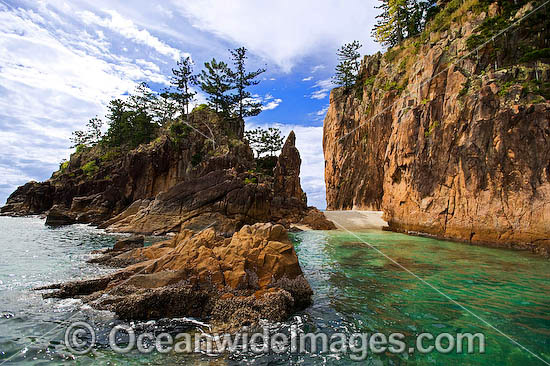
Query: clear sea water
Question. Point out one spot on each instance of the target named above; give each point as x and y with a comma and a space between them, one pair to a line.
356, 290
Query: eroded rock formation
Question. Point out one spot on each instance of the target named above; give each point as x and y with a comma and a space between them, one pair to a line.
234, 281
182, 181
445, 144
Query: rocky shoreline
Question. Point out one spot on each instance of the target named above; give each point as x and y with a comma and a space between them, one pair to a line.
231, 282
230, 260
446, 144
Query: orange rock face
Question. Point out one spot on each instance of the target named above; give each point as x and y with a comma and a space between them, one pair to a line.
257, 268
450, 148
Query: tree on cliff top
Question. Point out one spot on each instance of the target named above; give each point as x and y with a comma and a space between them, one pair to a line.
401, 19
89, 137
348, 66
218, 81
245, 105
182, 79
131, 121
215, 80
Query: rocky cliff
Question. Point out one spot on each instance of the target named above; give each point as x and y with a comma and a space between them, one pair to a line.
449, 133
183, 179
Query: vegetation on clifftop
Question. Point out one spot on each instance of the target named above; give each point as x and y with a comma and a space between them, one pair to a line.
506, 35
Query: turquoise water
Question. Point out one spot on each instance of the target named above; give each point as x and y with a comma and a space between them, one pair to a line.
356, 290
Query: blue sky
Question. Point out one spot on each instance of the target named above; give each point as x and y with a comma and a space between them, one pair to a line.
62, 61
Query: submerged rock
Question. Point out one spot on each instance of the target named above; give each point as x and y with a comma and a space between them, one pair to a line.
234, 281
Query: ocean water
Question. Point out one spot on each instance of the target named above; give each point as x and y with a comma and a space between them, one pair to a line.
502, 294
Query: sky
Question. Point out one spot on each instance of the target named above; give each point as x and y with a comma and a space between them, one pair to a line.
62, 61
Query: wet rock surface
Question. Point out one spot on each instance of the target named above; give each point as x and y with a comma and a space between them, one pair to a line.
233, 282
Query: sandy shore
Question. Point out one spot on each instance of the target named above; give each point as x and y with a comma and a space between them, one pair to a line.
357, 220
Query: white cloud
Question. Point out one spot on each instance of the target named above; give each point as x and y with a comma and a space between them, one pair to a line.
309, 141
272, 104
52, 80
316, 68
308, 78
268, 101
271, 30
149, 65
323, 89
128, 29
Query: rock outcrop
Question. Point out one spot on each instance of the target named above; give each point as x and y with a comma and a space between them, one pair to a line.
178, 181
234, 281
448, 142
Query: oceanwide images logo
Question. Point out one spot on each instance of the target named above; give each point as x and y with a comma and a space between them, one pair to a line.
80, 338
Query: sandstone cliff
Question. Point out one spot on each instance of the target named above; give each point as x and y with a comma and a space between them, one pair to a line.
450, 135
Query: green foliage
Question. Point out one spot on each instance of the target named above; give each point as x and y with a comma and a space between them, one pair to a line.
182, 79
179, 131
347, 69
538, 88
110, 155
391, 55
63, 166
489, 28
394, 85
81, 148
90, 168
164, 107
536, 55
370, 81
215, 80
504, 88
196, 159
494, 25
131, 121
89, 137
401, 19
403, 64
266, 164
200, 107
252, 180
246, 107
465, 88
264, 140
433, 126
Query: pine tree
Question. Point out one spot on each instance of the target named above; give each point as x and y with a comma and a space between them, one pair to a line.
401, 19
216, 81
91, 136
348, 66
245, 106
390, 30
182, 79
165, 108
264, 140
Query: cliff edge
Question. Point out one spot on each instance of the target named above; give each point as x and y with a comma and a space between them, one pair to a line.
449, 133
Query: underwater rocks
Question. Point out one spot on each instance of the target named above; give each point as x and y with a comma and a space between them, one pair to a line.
236, 281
